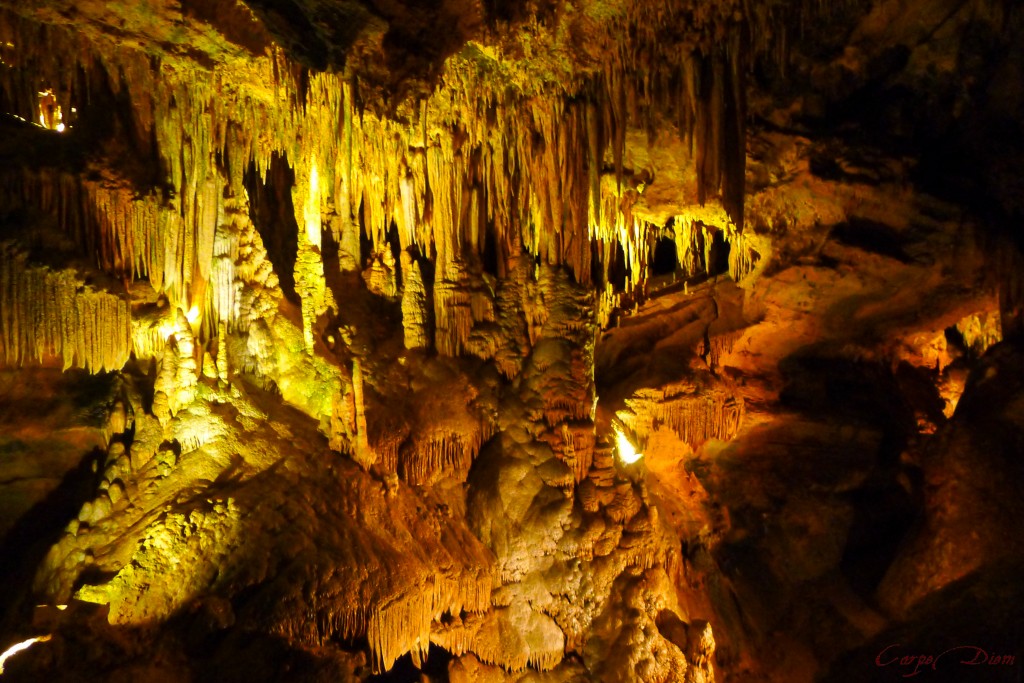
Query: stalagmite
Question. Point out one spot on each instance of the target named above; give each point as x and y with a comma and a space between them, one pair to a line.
225, 285
415, 307
309, 266
222, 353
363, 454
163, 387
381, 275
186, 370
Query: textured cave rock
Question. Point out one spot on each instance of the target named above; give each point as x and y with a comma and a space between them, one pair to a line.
467, 341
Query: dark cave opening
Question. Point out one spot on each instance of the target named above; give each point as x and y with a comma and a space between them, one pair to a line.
872, 237
718, 254
489, 256
365, 241
41, 526
395, 246
435, 669
428, 268
664, 261
883, 515
618, 270
273, 214
27, 541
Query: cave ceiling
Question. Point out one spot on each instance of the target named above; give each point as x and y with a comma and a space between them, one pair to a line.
485, 340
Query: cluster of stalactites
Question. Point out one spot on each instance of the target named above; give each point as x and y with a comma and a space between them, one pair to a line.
695, 417
704, 87
629, 249
465, 175
402, 623
46, 313
129, 236
200, 129
451, 454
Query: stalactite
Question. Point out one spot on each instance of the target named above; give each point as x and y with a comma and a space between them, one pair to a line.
544, 197
149, 335
708, 103
453, 635
398, 607
691, 238
347, 234
453, 314
541, 197
624, 505
401, 623
747, 255
718, 345
980, 331
695, 416
450, 454
516, 638
46, 313
386, 444
124, 233
577, 447
560, 409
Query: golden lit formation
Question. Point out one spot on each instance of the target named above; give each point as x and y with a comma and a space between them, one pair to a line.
625, 449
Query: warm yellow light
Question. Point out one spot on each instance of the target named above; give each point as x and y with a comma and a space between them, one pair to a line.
311, 210
15, 649
192, 315
50, 114
626, 450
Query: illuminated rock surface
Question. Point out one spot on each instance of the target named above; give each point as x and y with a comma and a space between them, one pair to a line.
479, 340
